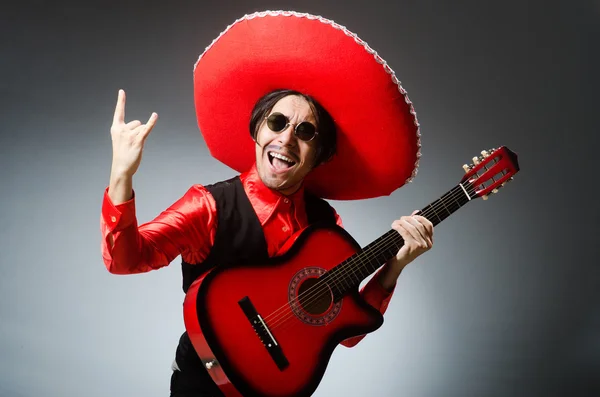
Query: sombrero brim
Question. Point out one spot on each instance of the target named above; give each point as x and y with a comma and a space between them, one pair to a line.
378, 132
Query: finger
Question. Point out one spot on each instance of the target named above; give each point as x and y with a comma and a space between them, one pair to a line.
399, 227
119, 115
411, 231
424, 238
426, 223
426, 229
410, 235
139, 130
418, 227
133, 124
149, 125
144, 129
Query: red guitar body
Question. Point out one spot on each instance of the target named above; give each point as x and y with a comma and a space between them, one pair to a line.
233, 353
270, 329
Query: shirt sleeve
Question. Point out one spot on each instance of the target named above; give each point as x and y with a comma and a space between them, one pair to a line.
187, 227
373, 293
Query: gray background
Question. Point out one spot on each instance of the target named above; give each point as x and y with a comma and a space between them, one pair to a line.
507, 303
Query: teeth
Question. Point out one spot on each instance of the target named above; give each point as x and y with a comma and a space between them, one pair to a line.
282, 157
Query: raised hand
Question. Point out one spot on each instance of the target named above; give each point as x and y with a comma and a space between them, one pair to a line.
128, 140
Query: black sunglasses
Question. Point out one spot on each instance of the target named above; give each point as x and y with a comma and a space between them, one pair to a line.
305, 131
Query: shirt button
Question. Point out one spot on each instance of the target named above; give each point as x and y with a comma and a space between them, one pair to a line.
113, 218
285, 228
286, 201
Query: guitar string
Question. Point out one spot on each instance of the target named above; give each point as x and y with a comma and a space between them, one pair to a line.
355, 262
282, 323
383, 241
358, 263
358, 260
313, 294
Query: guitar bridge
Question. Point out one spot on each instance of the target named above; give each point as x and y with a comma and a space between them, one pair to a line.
263, 333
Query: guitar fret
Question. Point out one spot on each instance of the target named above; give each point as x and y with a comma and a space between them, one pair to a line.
354, 274
342, 280
378, 252
435, 212
446, 208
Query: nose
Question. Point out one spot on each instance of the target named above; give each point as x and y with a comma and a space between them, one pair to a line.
287, 137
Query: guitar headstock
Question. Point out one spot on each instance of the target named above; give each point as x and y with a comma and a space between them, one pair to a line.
490, 171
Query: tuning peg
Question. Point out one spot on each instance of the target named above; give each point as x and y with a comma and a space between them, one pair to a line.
485, 197
466, 167
484, 153
495, 190
475, 160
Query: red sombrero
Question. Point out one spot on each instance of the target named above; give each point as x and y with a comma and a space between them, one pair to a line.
378, 141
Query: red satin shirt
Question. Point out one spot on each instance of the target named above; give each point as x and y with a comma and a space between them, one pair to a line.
188, 228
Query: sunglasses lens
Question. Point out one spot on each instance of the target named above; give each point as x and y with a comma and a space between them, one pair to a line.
276, 122
305, 131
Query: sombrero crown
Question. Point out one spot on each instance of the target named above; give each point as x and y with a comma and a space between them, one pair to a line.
378, 136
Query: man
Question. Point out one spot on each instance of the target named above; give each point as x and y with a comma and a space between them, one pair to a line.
293, 135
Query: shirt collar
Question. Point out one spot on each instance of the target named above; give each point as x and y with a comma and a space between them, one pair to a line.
265, 200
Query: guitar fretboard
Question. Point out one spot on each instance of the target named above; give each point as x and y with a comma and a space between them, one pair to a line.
348, 274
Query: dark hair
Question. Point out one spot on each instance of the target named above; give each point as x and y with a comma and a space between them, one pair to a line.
326, 139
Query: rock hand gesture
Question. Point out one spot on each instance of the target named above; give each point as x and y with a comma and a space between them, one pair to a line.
127, 143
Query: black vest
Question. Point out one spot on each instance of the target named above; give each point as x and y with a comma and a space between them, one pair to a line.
239, 240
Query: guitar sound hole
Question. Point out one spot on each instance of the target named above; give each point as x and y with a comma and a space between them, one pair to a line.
314, 297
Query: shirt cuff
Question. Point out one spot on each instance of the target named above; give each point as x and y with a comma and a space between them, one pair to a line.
118, 217
377, 296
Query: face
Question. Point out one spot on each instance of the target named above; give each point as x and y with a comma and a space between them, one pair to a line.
285, 174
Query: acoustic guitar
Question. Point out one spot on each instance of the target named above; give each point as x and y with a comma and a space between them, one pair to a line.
270, 329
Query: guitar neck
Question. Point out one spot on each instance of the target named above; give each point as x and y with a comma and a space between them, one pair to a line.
348, 274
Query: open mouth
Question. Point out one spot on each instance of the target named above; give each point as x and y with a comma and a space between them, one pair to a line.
280, 162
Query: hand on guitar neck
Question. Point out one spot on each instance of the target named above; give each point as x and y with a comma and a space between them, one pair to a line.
417, 233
